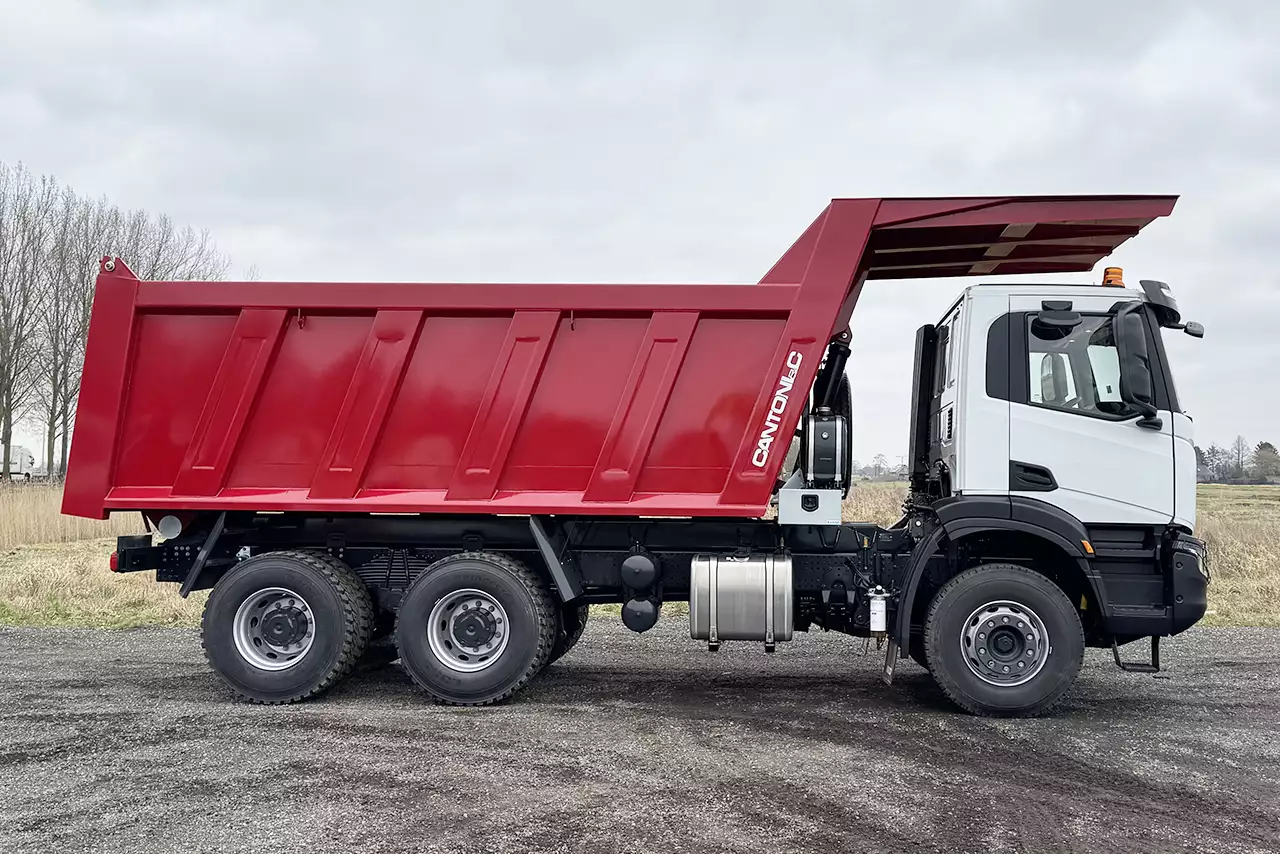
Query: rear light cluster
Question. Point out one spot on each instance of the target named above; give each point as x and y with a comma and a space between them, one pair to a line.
115, 561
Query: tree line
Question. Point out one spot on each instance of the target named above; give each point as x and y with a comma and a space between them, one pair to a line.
1239, 462
51, 239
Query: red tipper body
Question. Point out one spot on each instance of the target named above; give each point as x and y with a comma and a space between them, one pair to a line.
644, 400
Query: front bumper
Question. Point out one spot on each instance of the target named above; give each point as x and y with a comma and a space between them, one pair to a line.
1187, 574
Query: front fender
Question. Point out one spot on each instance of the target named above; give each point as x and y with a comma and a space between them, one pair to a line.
961, 517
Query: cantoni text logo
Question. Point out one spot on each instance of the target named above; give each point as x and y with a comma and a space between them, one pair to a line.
776, 407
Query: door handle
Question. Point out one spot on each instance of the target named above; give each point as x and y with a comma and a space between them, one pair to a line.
1026, 477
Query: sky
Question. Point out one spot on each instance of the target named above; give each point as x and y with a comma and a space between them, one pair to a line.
675, 142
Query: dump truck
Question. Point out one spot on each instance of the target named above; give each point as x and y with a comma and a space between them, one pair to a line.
462, 470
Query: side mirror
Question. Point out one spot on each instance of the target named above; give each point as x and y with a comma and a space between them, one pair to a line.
1195, 330
1136, 387
1054, 324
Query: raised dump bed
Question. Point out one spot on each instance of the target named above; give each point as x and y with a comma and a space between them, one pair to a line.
656, 400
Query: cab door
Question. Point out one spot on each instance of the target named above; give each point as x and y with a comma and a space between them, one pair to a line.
1073, 442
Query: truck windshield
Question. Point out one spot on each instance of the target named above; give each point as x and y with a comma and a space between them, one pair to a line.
1080, 372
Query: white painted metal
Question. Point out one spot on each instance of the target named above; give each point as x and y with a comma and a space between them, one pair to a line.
1108, 471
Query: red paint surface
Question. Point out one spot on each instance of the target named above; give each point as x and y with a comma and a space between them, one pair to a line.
608, 399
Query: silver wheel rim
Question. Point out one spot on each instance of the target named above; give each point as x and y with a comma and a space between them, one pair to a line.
273, 629
468, 630
1005, 643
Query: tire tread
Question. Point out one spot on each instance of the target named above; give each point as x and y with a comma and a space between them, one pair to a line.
567, 640
544, 610
357, 614
944, 680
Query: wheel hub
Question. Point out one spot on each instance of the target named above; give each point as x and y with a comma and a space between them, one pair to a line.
467, 630
273, 629
474, 628
284, 625
1004, 643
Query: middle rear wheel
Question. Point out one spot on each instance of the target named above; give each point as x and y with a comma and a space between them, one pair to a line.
474, 628
573, 622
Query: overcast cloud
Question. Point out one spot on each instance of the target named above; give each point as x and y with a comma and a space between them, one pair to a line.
688, 141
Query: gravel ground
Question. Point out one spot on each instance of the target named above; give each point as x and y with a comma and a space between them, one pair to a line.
125, 741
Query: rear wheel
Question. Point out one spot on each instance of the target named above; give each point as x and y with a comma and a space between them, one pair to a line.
474, 628
284, 626
1001, 639
573, 622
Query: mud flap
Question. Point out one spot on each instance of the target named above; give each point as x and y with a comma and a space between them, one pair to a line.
890, 662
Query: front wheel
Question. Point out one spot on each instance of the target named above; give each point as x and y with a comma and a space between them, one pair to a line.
1001, 639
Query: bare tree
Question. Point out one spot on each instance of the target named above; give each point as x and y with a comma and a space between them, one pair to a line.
878, 464
50, 242
1240, 452
83, 228
86, 231
26, 220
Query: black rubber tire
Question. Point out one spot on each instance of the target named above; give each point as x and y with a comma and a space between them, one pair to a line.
573, 621
382, 641
343, 618
917, 651
532, 623
970, 590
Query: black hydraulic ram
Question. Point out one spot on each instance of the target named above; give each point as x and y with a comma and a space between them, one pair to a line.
827, 386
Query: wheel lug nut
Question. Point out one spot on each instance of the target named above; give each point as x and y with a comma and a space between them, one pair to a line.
1031, 637
991, 624
1020, 625
982, 635
1031, 653
1006, 668
982, 652
1022, 664
1004, 619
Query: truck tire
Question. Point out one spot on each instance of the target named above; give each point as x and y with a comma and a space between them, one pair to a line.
573, 621
475, 627
381, 650
917, 651
284, 626
1003, 640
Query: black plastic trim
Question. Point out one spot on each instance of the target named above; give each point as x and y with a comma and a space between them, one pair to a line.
999, 357
1028, 477
1166, 396
920, 555
193, 575
962, 516
922, 379
560, 562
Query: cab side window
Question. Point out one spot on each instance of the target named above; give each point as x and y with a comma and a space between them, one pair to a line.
1078, 370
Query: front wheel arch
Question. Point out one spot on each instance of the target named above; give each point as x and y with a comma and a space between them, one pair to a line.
1041, 550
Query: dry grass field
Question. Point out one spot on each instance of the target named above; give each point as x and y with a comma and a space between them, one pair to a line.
53, 569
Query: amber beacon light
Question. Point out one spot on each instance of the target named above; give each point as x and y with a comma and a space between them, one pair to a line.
1113, 277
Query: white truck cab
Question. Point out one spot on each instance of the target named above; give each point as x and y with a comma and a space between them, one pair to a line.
1046, 431
1036, 408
